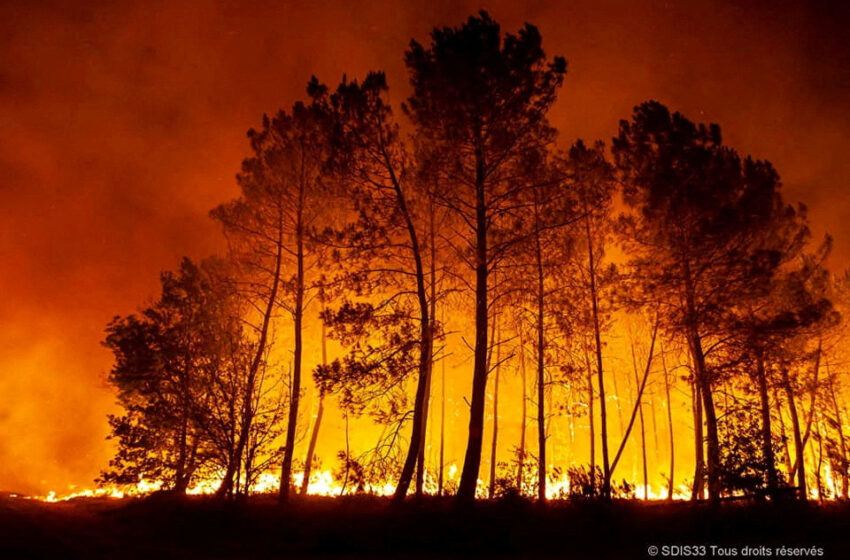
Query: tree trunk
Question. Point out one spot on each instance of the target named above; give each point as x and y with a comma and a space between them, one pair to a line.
766, 431
819, 460
777, 403
798, 438
541, 364
295, 396
712, 442
654, 414
426, 345
420, 463
472, 459
311, 448
597, 335
523, 411
492, 489
591, 420
813, 391
703, 381
317, 423
619, 404
417, 432
839, 423
420, 403
226, 487
190, 465
440, 478
181, 480
642, 428
640, 389
420, 457
670, 485
698, 491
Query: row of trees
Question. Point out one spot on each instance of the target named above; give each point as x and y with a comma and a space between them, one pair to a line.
380, 225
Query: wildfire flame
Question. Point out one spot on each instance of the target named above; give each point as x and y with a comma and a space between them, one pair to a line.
322, 483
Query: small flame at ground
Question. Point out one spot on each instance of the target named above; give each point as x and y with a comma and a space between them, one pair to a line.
322, 483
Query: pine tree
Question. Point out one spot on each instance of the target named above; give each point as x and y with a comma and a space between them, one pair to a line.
479, 103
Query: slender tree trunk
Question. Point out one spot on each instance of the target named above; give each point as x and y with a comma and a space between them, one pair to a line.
798, 438
523, 411
712, 441
654, 410
317, 423
440, 478
670, 485
420, 457
311, 449
819, 460
590, 420
420, 463
472, 459
839, 421
492, 489
640, 390
417, 433
541, 364
704, 382
298, 317
813, 391
181, 480
766, 431
418, 429
226, 487
597, 336
698, 490
619, 404
627, 392
777, 403
426, 339
642, 427
190, 467
238, 476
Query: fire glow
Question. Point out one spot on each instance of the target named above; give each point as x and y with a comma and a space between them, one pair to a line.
322, 483
447, 297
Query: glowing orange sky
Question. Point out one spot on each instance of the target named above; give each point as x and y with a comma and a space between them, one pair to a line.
123, 124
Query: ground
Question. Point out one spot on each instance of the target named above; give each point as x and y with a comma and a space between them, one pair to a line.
367, 527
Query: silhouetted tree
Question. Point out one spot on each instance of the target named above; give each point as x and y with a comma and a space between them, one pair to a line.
269, 227
804, 313
181, 370
771, 325
585, 303
382, 257
479, 102
698, 213
525, 285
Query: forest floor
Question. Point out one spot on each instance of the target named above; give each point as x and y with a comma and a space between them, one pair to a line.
368, 527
